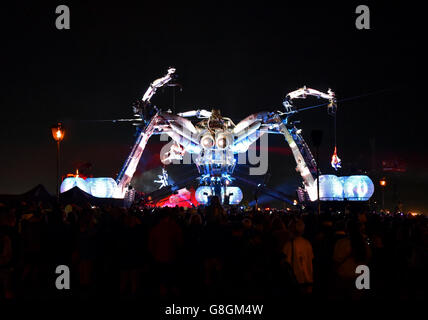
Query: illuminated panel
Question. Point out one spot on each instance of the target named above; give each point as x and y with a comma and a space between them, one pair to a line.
358, 188
235, 194
330, 187
102, 187
202, 194
71, 182
342, 180
67, 184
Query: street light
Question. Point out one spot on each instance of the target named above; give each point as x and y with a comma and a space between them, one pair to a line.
382, 183
58, 133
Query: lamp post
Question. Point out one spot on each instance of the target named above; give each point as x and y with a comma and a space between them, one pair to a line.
382, 183
58, 133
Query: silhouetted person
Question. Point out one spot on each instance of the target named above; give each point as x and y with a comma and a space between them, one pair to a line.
165, 241
299, 255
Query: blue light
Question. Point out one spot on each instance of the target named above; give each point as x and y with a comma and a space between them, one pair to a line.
67, 184
234, 193
202, 194
97, 187
354, 188
101, 187
71, 182
330, 188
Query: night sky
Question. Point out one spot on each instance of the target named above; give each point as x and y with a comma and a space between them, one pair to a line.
240, 59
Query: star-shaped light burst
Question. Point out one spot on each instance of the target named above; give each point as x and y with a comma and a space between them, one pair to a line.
163, 179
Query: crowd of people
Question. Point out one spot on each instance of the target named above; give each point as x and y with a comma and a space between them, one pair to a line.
207, 252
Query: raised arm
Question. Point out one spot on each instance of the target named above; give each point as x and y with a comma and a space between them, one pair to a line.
146, 130
158, 83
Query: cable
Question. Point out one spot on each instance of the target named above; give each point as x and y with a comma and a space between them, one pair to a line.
346, 99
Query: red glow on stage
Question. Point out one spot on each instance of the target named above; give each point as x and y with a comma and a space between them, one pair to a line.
183, 198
